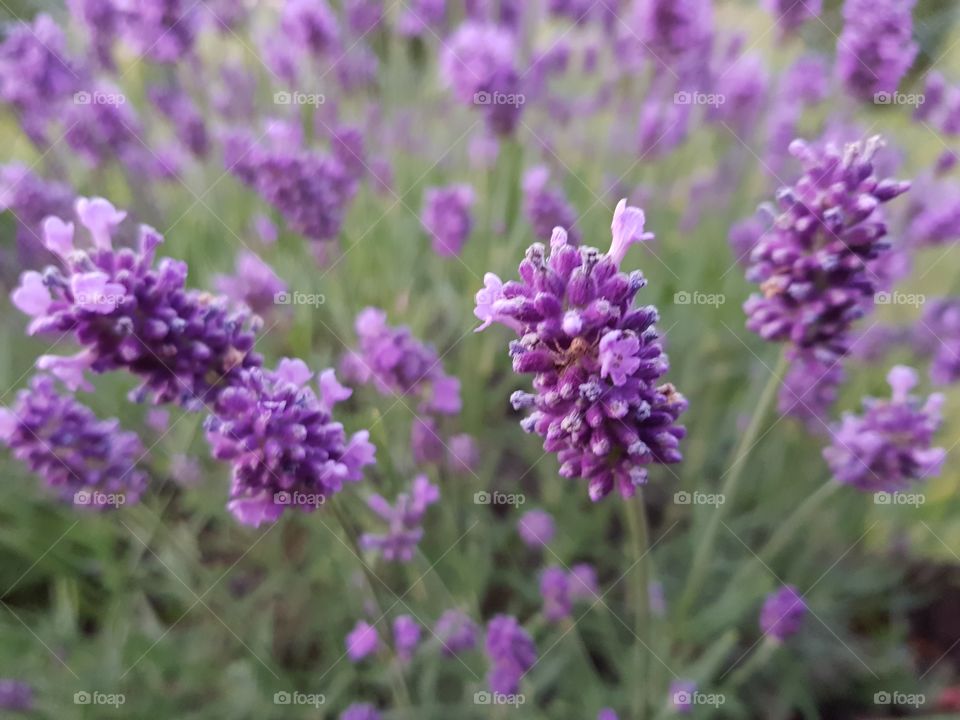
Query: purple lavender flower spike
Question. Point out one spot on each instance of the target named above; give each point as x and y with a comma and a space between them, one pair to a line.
181, 111
545, 207
419, 17
938, 336
30, 199
463, 455
876, 47
536, 528
311, 25
15, 696
607, 714
555, 591
889, 446
792, 14
676, 34
682, 695
126, 314
162, 30
583, 583
255, 284
84, 460
447, 218
456, 631
404, 521
360, 711
782, 613
511, 652
285, 447
426, 445
473, 57
810, 389
595, 359
406, 636
362, 641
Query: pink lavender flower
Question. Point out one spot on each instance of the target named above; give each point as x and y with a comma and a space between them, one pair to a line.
15, 696
456, 631
184, 345
876, 47
782, 613
406, 636
360, 711
285, 447
255, 284
792, 14
404, 521
397, 363
545, 207
463, 455
474, 56
447, 218
84, 460
364, 16
536, 528
511, 653
889, 446
362, 641
311, 25
419, 17
595, 359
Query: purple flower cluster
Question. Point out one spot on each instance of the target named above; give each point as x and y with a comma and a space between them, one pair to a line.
311, 25
447, 218
889, 446
161, 30
939, 336
254, 284
457, 632
285, 448
360, 711
31, 199
876, 47
362, 641
404, 521
536, 528
560, 588
676, 34
15, 696
545, 207
595, 359
85, 460
406, 636
187, 121
126, 314
511, 652
792, 14
782, 613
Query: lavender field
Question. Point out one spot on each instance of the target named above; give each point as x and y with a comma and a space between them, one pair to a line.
433, 359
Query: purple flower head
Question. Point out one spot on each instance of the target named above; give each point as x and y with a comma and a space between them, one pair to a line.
310, 25
364, 16
936, 215
583, 582
419, 17
31, 199
743, 87
791, 14
545, 207
161, 30
463, 455
889, 446
180, 110
426, 445
682, 695
406, 636
812, 266
404, 521
474, 57
876, 47
456, 631
255, 284
101, 20
676, 34
743, 237
555, 591
782, 613
398, 364
183, 344
84, 460
360, 711
938, 335
511, 652
810, 388
447, 217
15, 696
362, 641
596, 359
285, 447
607, 714
536, 528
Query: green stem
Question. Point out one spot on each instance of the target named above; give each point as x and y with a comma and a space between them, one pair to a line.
706, 545
639, 540
759, 658
401, 693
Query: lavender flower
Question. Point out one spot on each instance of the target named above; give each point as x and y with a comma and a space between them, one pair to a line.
404, 519
15, 696
426, 444
782, 613
446, 217
362, 641
180, 110
84, 460
889, 445
397, 363
555, 591
162, 30
31, 199
456, 631
474, 57
418, 17
938, 335
463, 455
406, 636
101, 19
536, 528
595, 359
183, 344
311, 25
583, 582
876, 48
810, 389
676, 34
511, 652
682, 695
792, 14
607, 714
255, 284
285, 447
360, 711
546, 208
